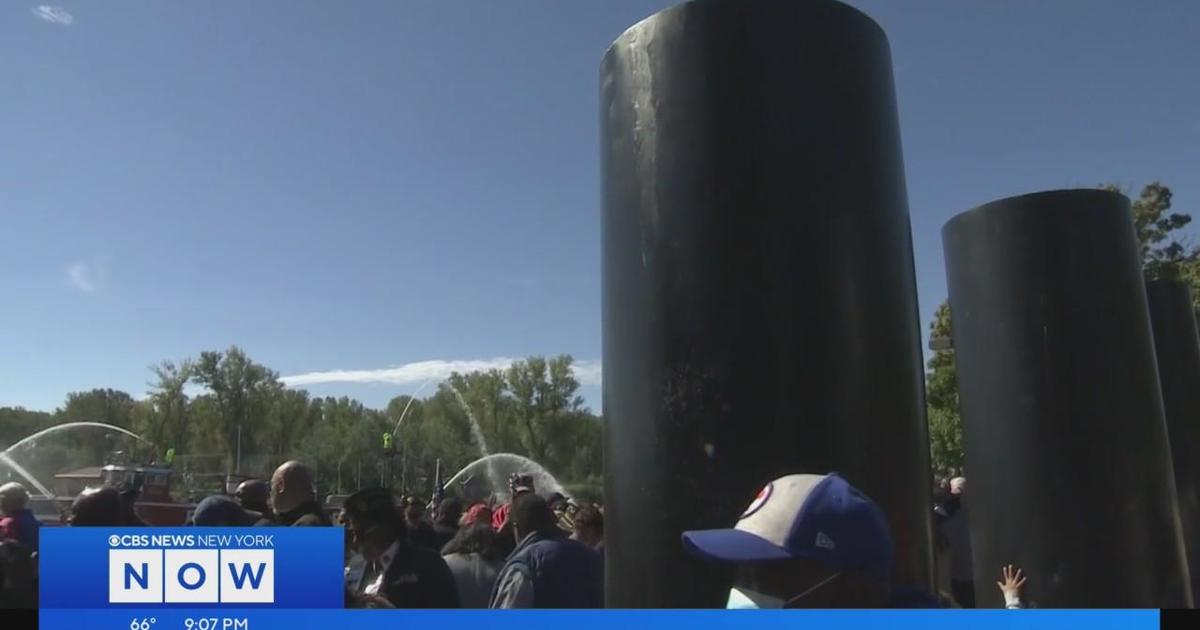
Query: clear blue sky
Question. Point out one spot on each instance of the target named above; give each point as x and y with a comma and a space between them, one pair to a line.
364, 185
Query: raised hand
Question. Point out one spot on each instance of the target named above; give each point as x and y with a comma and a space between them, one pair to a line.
1011, 582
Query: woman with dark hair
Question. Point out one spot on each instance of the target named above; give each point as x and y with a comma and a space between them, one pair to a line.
473, 558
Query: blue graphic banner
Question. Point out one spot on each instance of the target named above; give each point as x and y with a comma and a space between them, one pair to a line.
197, 578
260, 619
191, 567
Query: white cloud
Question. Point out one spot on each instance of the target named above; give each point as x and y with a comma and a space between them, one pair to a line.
53, 15
588, 372
89, 275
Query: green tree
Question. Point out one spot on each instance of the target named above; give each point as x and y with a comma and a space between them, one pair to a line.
17, 423
291, 414
445, 435
531, 409
941, 395
168, 422
106, 405
109, 406
1164, 255
407, 443
487, 394
343, 445
545, 393
243, 391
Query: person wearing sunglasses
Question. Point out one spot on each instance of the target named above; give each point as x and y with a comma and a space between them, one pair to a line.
805, 541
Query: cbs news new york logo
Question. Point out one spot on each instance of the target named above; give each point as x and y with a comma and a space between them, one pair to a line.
191, 569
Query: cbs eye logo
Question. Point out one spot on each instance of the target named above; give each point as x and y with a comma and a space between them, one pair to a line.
192, 576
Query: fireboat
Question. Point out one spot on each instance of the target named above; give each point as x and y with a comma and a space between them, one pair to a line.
148, 484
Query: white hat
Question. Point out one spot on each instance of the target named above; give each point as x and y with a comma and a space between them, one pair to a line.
819, 517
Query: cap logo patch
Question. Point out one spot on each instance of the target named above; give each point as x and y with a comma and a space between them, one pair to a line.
759, 500
824, 541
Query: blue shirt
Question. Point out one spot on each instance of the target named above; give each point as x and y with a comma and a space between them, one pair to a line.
24, 526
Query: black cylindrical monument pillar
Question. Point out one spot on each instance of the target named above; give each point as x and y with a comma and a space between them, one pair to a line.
760, 312
1177, 347
1066, 446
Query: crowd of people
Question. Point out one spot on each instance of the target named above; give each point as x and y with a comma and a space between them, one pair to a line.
804, 541
401, 552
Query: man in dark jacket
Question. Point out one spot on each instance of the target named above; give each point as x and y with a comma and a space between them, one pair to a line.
294, 497
388, 571
547, 569
957, 535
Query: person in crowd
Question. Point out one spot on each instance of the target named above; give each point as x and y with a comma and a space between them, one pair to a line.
1012, 581
473, 560
956, 534
221, 511
589, 527
420, 532
945, 503
564, 510
386, 570
294, 497
518, 485
547, 569
807, 541
255, 495
16, 519
478, 513
445, 524
97, 507
558, 504
941, 493
129, 492
941, 545
18, 576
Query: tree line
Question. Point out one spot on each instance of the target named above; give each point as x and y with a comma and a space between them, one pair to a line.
223, 412
1165, 253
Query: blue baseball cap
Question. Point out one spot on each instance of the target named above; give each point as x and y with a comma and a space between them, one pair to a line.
221, 511
818, 517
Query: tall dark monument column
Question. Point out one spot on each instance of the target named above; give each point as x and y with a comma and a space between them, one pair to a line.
1177, 348
1067, 456
760, 312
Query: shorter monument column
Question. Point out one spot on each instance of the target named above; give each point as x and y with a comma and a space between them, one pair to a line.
1066, 444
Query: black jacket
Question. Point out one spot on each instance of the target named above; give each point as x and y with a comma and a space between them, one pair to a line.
422, 535
309, 514
419, 578
443, 534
